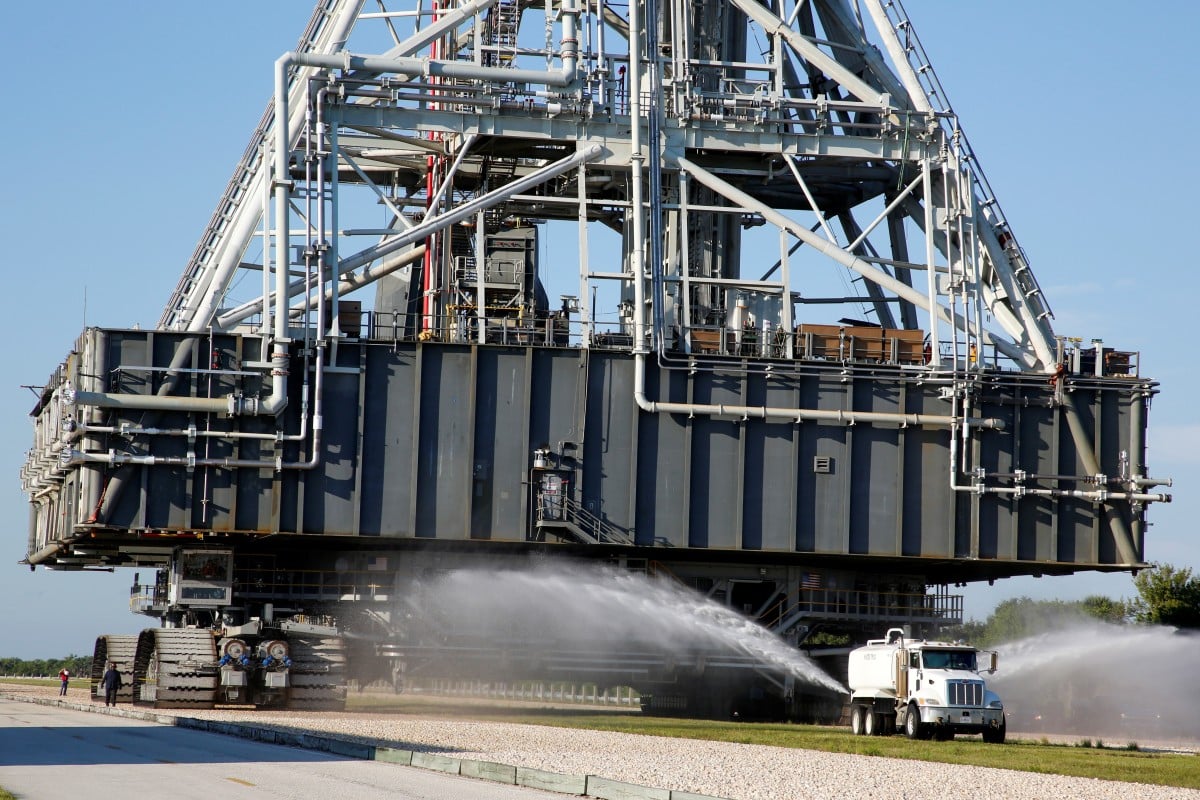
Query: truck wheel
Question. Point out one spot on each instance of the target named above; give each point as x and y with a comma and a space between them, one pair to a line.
856, 720
996, 735
870, 723
913, 727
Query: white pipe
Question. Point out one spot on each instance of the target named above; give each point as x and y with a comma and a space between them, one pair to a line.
355, 281
796, 415
142, 402
900, 198
431, 68
445, 23
829, 234
637, 252
916, 93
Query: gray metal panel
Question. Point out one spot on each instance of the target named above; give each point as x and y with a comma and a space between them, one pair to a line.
997, 525
875, 490
501, 461
388, 443
1035, 536
446, 430
716, 468
768, 499
875, 471
609, 453
329, 501
662, 460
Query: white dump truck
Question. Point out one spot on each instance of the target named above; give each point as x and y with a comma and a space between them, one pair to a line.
927, 689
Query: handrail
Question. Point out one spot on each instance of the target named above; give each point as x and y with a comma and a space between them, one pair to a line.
573, 514
862, 603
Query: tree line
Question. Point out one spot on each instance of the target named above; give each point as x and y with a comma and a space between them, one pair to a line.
78, 666
1166, 595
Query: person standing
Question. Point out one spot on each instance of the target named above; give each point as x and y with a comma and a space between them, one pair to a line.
111, 682
64, 676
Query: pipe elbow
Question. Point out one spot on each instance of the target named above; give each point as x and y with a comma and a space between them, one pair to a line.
273, 405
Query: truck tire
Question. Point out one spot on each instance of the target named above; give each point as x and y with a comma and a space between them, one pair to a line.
913, 727
996, 735
871, 723
857, 725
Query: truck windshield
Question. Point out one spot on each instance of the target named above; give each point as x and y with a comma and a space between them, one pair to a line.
949, 659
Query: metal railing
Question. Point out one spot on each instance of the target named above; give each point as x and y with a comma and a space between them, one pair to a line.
559, 510
862, 604
529, 691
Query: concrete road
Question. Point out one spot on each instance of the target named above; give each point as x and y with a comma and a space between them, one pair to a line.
49, 752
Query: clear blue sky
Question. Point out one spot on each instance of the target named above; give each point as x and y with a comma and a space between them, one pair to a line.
124, 121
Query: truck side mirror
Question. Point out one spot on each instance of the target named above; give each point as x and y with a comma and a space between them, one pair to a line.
994, 662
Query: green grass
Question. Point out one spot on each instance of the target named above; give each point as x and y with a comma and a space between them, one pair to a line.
1124, 762
5, 794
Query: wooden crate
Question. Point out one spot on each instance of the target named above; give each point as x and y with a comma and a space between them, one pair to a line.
706, 340
907, 347
819, 341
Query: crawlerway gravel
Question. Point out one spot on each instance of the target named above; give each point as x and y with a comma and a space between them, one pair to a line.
718, 769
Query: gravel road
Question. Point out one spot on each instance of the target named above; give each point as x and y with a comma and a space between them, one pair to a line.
719, 769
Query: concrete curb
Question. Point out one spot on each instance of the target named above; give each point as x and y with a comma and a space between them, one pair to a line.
579, 785
551, 781
606, 789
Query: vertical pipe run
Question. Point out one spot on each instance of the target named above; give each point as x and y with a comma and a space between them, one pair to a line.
636, 252
264, 328
930, 269
584, 265
654, 85
480, 273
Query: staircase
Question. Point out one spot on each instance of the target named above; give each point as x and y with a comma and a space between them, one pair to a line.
568, 516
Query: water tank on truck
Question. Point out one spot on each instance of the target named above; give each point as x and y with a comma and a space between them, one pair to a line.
927, 689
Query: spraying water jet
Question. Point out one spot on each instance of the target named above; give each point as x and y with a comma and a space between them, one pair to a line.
568, 622
1123, 682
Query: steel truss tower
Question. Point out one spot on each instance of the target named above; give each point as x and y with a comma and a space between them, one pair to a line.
827, 128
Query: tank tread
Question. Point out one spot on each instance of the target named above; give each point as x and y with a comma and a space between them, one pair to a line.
175, 668
317, 675
120, 650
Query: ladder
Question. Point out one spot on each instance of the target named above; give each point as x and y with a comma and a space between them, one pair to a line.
919, 63
501, 30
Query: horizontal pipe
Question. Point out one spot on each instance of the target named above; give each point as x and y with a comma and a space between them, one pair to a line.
211, 405
1143, 482
1095, 495
794, 414
45, 554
